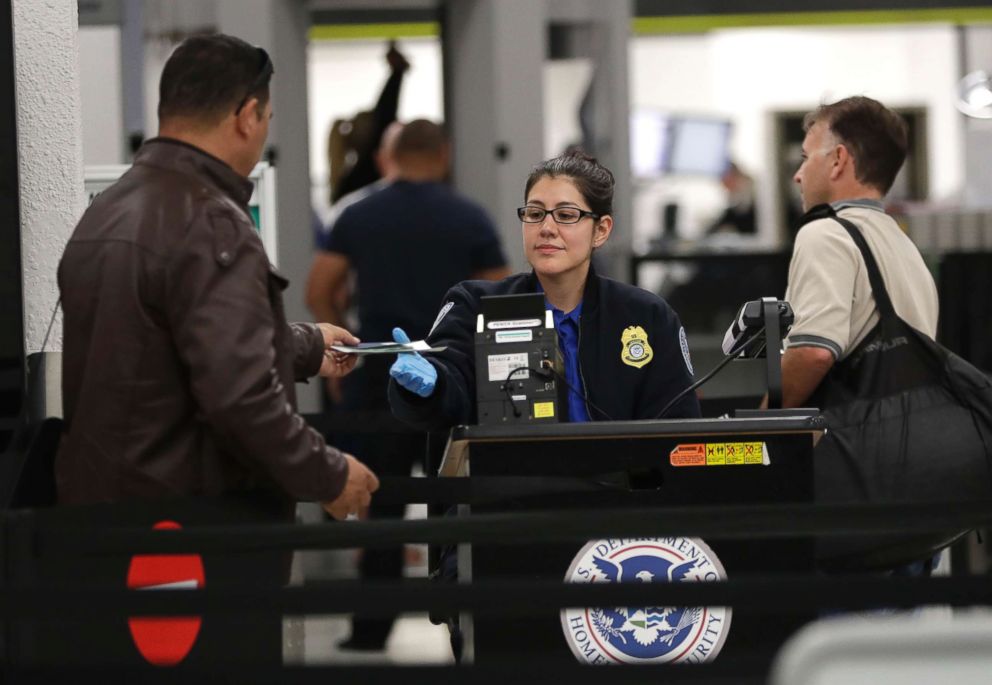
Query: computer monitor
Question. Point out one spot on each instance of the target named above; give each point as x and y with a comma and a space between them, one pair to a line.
662, 143
699, 146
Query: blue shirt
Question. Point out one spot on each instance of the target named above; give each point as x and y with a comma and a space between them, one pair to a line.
567, 326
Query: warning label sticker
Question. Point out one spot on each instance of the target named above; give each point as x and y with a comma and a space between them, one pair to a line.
720, 454
688, 455
544, 410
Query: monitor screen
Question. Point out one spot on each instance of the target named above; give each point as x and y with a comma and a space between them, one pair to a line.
662, 143
699, 146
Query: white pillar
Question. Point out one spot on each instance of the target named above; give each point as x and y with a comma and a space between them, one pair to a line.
495, 52
50, 156
605, 28
977, 132
494, 57
133, 74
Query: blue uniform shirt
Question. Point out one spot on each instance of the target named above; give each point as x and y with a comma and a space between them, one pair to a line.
567, 326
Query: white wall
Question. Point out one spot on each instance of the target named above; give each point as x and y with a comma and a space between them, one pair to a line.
739, 73
346, 77
744, 74
100, 85
565, 83
156, 54
49, 153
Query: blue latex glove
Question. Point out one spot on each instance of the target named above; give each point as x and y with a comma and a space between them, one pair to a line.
412, 371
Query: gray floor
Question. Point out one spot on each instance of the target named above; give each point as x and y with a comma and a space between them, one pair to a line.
313, 640
414, 640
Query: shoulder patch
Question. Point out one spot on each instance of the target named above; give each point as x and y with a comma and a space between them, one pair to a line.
684, 344
635, 350
440, 315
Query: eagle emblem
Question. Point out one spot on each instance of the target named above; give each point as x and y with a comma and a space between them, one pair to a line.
649, 625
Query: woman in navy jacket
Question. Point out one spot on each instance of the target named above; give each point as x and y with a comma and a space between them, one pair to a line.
624, 348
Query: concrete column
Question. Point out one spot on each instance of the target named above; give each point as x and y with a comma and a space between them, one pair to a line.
495, 51
281, 29
493, 58
49, 135
601, 32
977, 55
133, 74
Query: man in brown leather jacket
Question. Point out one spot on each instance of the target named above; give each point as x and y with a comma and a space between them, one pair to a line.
179, 366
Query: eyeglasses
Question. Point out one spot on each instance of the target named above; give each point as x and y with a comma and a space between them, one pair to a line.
562, 215
264, 73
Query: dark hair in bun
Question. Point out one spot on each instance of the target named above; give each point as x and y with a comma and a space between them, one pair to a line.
593, 180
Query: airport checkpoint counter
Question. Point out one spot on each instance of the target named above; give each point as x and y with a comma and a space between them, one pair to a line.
640, 464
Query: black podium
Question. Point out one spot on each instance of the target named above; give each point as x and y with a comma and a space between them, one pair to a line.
640, 464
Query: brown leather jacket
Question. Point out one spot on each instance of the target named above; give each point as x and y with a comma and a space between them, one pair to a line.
178, 364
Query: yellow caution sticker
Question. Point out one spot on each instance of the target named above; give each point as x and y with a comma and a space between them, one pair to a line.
755, 453
720, 454
544, 410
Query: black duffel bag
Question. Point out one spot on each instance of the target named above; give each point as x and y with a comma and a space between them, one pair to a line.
908, 421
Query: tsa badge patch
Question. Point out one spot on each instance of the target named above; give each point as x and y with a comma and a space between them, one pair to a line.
684, 344
636, 351
646, 635
440, 315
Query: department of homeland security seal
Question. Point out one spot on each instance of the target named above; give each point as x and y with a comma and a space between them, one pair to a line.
638, 635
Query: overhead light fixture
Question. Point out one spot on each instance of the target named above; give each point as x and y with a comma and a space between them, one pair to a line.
974, 95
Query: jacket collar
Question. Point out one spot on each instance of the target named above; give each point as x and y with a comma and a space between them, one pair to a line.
169, 153
590, 294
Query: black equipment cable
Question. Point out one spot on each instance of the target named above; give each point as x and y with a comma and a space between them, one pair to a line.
726, 360
506, 387
549, 372
585, 397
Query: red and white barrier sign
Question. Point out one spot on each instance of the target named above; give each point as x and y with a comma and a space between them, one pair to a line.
165, 640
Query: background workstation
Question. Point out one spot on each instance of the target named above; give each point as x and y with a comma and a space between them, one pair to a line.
669, 96
750, 68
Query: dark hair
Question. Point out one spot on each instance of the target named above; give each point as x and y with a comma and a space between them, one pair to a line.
420, 137
207, 77
593, 180
875, 136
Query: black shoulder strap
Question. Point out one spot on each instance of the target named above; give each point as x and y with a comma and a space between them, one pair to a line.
882, 300
55, 311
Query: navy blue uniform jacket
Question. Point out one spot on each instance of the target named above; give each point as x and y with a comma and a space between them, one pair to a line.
618, 389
